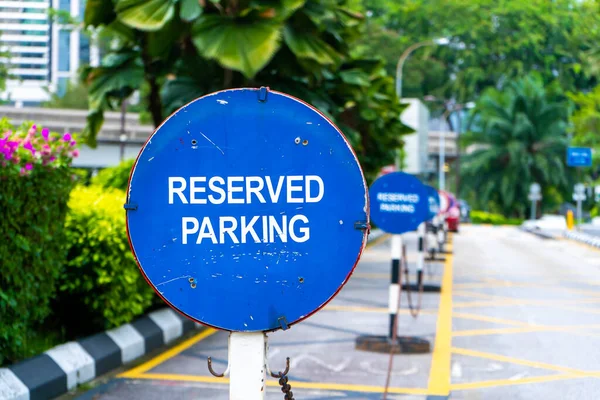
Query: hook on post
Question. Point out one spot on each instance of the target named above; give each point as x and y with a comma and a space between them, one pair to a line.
284, 373
212, 371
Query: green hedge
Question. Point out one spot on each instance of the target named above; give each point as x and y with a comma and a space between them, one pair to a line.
35, 181
114, 177
101, 286
482, 217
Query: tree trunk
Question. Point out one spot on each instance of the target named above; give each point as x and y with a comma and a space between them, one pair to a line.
154, 100
227, 78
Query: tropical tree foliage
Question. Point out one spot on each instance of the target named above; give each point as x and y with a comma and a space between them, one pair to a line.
585, 123
517, 137
177, 50
5, 56
492, 42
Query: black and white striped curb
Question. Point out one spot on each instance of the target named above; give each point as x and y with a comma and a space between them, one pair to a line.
583, 238
63, 367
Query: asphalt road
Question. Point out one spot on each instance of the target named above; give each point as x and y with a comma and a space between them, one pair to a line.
518, 318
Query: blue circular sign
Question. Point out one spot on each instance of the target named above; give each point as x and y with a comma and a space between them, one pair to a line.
433, 198
399, 202
247, 210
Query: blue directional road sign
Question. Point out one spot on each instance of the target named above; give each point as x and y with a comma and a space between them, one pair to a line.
247, 210
579, 157
399, 202
433, 198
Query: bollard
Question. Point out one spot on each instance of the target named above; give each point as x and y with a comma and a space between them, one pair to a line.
421, 232
394, 291
570, 220
441, 235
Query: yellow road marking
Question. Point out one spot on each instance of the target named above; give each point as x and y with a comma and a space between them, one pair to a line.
379, 240
466, 293
540, 285
579, 309
501, 284
375, 275
439, 374
511, 360
296, 384
540, 328
335, 307
159, 359
519, 302
511, 382
485, 318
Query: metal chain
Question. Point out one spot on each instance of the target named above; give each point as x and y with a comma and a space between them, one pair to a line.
286, 388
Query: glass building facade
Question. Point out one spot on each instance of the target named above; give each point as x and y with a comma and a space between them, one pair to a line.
44, 55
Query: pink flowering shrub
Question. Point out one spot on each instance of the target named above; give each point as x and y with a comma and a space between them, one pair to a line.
36, 179
30, 146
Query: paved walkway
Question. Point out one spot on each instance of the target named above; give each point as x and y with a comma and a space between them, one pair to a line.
519, 318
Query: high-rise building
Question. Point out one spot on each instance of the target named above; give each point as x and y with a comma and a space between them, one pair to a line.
45, 56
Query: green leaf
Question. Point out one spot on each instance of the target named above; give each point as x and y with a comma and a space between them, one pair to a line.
178, 92
306, 45
355, 77
190, 10
245, 46
145, 15
160, 43
95, 119
98, 12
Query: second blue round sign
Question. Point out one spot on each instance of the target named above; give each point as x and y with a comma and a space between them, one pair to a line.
399, 202
247, 210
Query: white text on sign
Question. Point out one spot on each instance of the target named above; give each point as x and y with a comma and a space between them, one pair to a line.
217, 190
397, 202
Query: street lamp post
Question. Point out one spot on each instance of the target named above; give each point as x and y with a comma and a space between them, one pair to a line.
438, 41
442, 140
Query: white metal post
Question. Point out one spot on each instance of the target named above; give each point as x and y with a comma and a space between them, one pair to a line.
395, 281
421, 253
431, 237
441, 236
442, 161
248, 365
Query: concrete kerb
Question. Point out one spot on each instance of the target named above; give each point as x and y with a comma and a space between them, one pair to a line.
581, 237
62, 368
539, 233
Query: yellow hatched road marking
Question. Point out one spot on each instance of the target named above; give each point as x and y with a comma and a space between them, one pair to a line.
298, 385
476, 295
512, 382
439, 374
502, 303
485, 318
512, 360
336, 307
579, 309
540, 328
159, 359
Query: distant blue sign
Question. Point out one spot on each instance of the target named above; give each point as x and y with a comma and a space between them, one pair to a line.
579, 157
247, 210
399, 202
433, 198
